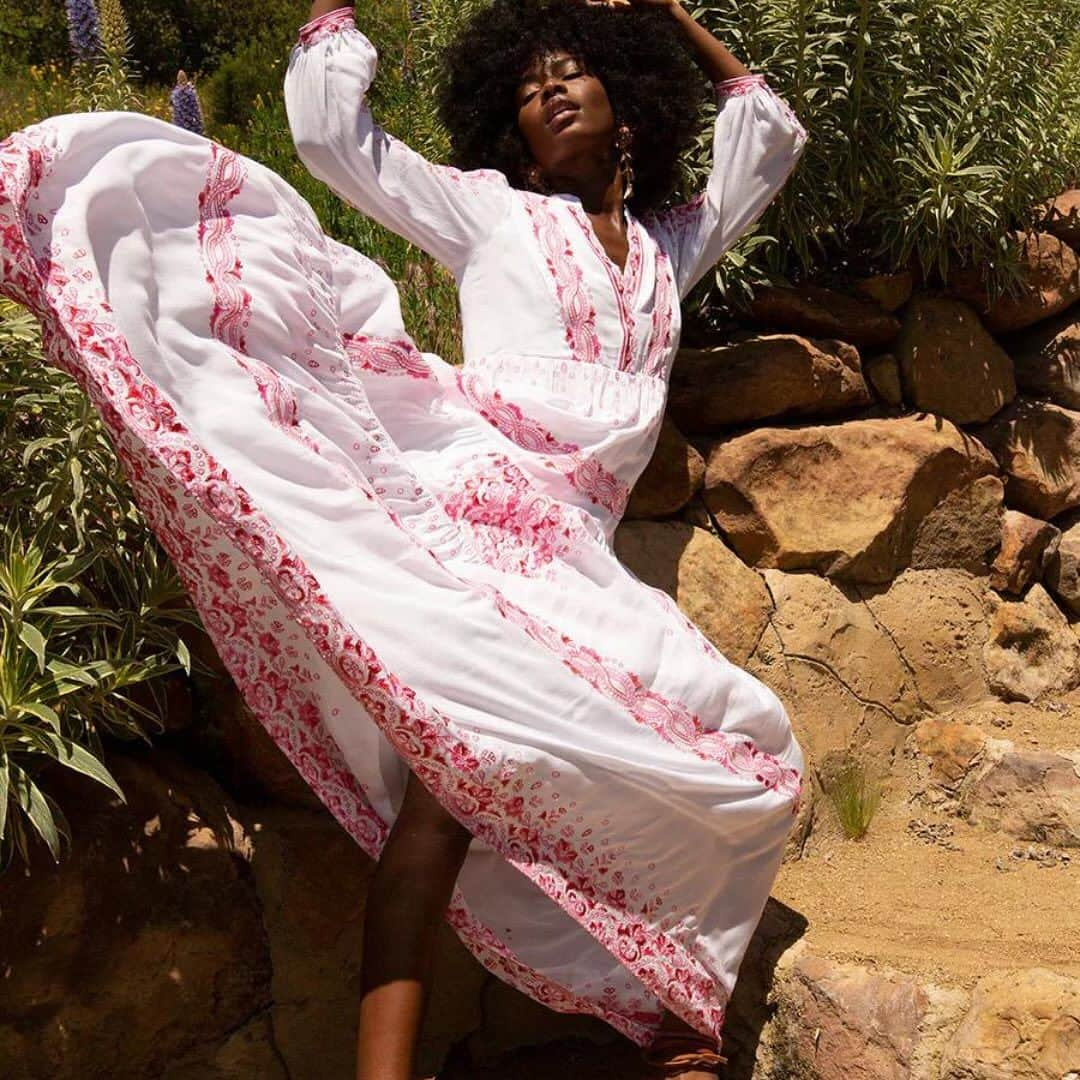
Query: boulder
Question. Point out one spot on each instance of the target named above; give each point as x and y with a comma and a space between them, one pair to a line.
767, 376
949, 364
840, 1020
888, 291
1038, 447
1061, 217
674, 473
939, 620
1046, 359
819, 312
725, 599
963, 530
145, 946
852, 500
1023, 1024
1052, 284
1031, 650
883, 373
1029, 794
1027, 546
848, 686
1062, 576
950, 750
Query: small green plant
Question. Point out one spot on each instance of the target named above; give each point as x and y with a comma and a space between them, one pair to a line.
856, 798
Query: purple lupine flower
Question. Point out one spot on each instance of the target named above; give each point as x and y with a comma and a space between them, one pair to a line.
186, 110
83, 30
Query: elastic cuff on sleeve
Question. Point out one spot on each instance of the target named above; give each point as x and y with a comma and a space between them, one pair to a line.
739, 84
329, 23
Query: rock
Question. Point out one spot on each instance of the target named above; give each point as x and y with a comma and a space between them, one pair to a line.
251, 763
963, 529
949, 364
1063, 568
1027, 545
1038, 447
1046, 359
768, 376
888, 291
950, 749
849, 500
145, 945
845, 1021
847, 684
939, 622
1053, 284
883, 373
696, 513
1061, 217
246, 1053
819, 312
1031, 650
1029, 794
727, 601
1023, 1024
675, 471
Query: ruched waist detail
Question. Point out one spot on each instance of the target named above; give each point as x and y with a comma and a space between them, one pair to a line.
592, 390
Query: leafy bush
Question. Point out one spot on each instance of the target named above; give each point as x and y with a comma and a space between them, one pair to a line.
90, 608
936, 125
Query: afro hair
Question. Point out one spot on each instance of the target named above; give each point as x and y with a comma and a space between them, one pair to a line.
639, 55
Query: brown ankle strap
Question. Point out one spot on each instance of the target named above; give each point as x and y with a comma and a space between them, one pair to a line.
675, 1051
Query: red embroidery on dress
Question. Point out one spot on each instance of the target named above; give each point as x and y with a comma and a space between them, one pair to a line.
672, 720
623, 285
583, 471
738, 85
332, 22
575, 306
664, 299
225, 175
387, 356
92, 349
517, 528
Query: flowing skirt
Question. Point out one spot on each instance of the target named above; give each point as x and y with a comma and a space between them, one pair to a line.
387, 588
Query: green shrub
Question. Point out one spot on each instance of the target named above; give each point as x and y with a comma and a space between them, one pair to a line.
90, 608
935, 126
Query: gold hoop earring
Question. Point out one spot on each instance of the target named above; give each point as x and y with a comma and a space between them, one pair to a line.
623, 140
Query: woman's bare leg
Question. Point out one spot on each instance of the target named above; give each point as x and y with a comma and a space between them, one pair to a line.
406, 902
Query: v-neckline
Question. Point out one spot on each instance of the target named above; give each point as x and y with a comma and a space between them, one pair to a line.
622, 276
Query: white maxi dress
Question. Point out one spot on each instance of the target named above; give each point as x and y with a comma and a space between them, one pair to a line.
405, 564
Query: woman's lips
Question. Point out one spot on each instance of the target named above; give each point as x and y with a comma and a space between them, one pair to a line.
562, 118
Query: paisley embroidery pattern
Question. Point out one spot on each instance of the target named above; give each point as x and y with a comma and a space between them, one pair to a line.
575, 306
584, 472
386, 356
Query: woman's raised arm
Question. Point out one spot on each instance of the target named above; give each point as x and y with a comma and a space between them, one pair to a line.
757, 142
444, 211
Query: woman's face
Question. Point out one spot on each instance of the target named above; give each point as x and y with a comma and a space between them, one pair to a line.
563, 112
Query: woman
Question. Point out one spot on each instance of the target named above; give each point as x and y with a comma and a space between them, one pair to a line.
406, 566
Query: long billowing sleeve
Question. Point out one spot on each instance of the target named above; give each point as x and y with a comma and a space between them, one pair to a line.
757, 141
445, 211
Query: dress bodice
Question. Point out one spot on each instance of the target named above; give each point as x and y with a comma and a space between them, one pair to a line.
565, 353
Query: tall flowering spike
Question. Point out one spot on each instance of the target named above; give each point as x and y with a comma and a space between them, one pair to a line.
186, 110
83, 31
114, 28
